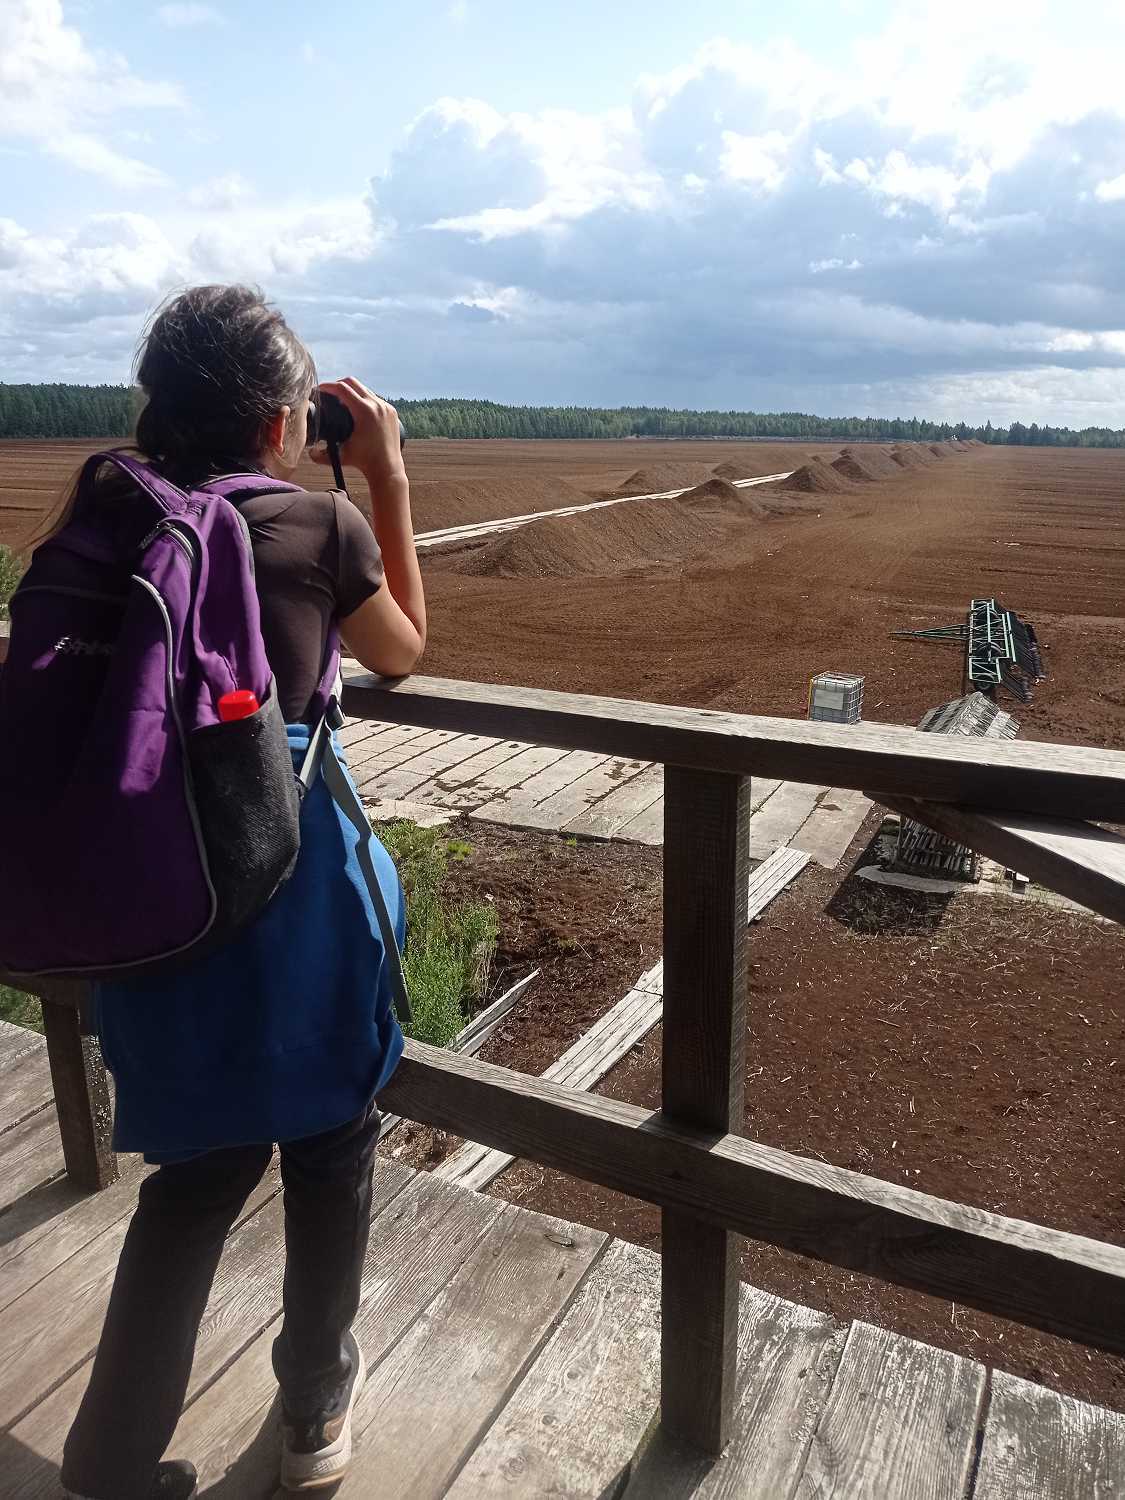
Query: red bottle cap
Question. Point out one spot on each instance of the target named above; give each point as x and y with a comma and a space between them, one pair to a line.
239, 705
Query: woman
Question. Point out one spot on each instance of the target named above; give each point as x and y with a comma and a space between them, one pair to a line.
286, 1035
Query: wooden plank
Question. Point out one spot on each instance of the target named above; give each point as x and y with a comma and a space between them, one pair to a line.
770, 879
25, 1084
900, 1423
1077, 860
512, 773
652, 980
580, 795
357, 731
30, 1156
82, 1102
647, 827
574, 1423
39, 1435
580, 1067
1038, 1443
627, 801
831, 826
515, 805
17, 1042
461, 785
389, 746
472, 1037
779, 817
418, 1243
761, 787
787, 1358
1061, 1283
407, 778
40, 1349
1011, 775
428, 1402
47, 1227
706, 817
370, 773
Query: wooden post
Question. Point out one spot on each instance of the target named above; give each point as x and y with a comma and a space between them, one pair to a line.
706, 833
81, 1097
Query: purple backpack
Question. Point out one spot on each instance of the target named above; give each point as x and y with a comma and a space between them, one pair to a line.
140, 831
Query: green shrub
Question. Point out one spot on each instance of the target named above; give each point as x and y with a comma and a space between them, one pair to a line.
449, 945
20, 1009
11, 571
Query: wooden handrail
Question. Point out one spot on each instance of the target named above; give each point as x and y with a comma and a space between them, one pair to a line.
708, 1181
996, 775
1065, 1284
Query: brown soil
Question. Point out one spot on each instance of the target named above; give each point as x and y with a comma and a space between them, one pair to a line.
743, 629
939, 450
968, 1048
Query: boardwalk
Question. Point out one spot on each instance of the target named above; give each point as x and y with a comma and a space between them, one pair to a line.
510, 1354
409, 772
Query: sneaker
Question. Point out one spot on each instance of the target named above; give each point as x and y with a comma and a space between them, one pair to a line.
175, 1480
317, 1453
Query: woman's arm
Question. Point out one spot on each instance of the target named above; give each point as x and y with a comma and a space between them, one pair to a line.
387, 633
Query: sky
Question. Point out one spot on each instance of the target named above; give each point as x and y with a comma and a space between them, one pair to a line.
842, 207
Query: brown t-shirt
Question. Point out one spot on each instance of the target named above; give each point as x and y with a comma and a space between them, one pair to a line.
316, 559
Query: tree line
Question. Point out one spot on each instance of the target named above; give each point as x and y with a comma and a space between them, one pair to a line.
108, 411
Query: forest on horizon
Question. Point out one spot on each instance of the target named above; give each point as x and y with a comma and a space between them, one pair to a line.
108, 411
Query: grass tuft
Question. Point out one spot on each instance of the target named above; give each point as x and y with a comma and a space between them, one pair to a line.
449, 946
11, 571
20, 1009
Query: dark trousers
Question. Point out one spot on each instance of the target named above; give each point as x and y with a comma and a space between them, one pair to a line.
168, 1262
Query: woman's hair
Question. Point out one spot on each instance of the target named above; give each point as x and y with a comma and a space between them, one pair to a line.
216, 363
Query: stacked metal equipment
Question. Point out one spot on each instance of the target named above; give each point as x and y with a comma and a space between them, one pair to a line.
921, 851
1000, 649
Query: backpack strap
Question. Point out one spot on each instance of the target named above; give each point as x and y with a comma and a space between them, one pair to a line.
168, 496
321, 757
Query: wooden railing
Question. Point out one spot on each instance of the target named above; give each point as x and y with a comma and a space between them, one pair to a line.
1022, 803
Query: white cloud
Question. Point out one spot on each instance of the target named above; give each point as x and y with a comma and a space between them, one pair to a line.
924, 225
1112, 191
181, 17
58, 93
224, 192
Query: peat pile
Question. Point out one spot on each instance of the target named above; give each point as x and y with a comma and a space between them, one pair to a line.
438, 503
813, 478
617, 538
939, 450
875, 460
662, 477
910, 457
732, 470
848, 466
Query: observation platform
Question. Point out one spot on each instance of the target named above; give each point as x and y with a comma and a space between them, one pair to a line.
411, 773
509, 1354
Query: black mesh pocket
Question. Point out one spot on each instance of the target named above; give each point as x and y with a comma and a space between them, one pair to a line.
248, 810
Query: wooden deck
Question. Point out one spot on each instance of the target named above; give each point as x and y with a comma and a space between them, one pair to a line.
510, 1354
410, 772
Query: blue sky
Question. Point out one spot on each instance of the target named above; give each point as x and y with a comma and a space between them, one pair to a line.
835, 207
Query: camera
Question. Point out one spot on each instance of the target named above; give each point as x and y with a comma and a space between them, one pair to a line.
330, 421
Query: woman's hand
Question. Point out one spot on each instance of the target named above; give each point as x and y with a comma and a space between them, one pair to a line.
375, 447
